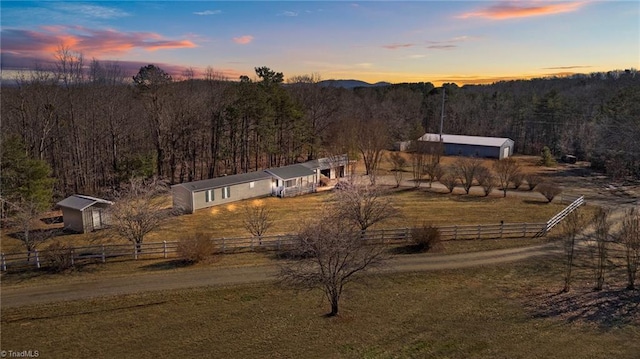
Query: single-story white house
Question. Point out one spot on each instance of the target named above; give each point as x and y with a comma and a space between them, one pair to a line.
84, 214
472, 146
191, 196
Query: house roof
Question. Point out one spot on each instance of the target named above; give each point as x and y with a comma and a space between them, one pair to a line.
289, 172
327, 162
224, 181
465, 140
81, 202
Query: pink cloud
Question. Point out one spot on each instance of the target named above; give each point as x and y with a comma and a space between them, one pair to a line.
243, 40
397, 46
89, 42
512, 9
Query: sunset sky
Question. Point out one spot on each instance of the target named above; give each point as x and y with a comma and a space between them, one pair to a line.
418, 41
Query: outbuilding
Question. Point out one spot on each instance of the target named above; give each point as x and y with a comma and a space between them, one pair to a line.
84, 214
191, 196
472, 146
333, 167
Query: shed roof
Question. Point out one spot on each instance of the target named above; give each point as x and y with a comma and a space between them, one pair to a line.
291, 171
81, 202
224, 181
465, 140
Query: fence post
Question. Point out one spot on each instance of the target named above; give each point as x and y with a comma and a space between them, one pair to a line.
479, 230
104, 256
524, 229
251, 243
135, 251
164, 249
4, 262
72, 260
455, 232
223, 247
501, 228
35, 251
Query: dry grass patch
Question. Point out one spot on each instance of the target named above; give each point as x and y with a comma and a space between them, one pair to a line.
479, 313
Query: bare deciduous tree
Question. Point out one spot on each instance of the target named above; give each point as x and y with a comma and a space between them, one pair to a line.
449, 180
364, 206
549, 190
573, 225
532, 180
507, 170
485, 179
398, 164
467, 169
258, 218
371, 140
630, 237
138, 210
331, 254
602, 230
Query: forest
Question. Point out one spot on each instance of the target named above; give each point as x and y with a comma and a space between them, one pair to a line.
96, 126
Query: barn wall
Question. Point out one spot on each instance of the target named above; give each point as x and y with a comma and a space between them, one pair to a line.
239, 192
452, 149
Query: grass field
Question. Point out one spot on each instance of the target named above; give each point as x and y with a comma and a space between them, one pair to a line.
477, 313
416, 207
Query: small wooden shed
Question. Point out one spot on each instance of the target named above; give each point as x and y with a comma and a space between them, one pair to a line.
84, 214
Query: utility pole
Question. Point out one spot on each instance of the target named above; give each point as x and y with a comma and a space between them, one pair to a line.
442, 114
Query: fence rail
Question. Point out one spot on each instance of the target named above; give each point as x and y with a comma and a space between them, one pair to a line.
168, 249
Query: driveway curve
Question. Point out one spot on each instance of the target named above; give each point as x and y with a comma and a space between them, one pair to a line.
211, 277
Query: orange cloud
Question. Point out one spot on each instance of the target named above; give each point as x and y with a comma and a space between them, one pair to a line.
243, 40
90, 42
511, 10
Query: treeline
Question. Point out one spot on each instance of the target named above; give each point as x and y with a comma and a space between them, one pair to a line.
97, 127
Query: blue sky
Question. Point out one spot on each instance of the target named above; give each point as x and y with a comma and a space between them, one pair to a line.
395, 41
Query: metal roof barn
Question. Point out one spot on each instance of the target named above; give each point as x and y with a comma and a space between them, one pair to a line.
472, 146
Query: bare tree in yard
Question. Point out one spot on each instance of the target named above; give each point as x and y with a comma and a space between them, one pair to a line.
257, 219
532, 180
467, 169
573, 225
330, 254
138, 210
364, 206
398, 164
549, 190
602, 230
485, 179
449, 180
630, 237
418, 160
372, 139
507, 171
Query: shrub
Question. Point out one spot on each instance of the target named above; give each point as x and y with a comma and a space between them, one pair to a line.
546, 158
324, 181
517, 180
532, 180
426, 238
195, 248
57, 257
449, 181
549, 190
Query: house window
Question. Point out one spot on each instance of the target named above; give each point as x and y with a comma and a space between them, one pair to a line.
290, 183
252, 184
226, 192
208, 195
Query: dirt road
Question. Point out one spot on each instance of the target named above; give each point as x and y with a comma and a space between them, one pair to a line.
204, 277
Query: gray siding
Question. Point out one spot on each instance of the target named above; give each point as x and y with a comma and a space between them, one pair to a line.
182, 199
72, 220
239, 192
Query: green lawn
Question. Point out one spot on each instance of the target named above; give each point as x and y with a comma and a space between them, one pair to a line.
476, 313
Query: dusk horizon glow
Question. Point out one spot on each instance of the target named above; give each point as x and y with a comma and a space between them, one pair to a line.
463, 42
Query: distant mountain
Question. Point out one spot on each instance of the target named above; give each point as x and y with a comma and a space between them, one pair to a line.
350, 83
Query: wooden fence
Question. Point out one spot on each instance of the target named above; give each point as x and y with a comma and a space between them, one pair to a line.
168, 249
165, 249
